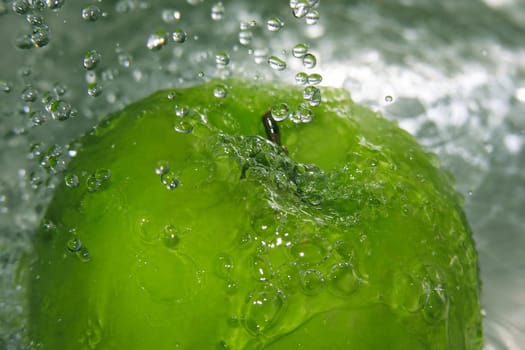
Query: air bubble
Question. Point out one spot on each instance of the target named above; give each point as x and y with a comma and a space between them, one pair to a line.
300, 9
156, 41
301, 78
29, 94
60, 110
220, 91
94, 90
37, 5
232, 286
224, 265
261, 268
34, 19
74, 245
162, 167
309, 61
84, 255
102, 175
408, 293
263, 309
344, 250
280, 112
303, 114
71, 180
92, 184
55, 4
170, 15
289, 277
170, 180
171, 237
91, 60
6, 86
40, 36
312, 95
245, 37
312, 17
389, 99
38, 118
276, 63
300, 50
217, 11
91, 13
20, 6
178, 36
309, 250
343, 279
222, 59
182, 111
274, 24
315, 79
436, 308
312, 282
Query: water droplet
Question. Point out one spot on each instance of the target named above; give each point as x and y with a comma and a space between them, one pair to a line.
157, 41
310, 250
263, 309
260, 55
222, 59
84, 255
178, 36
280, 112
300, 9
37, 5
343, 279
171, 237
309, 61
102, 175
220, 91
60, 110
91, 59
217, 11
29, 94
245, 37
92, 184
315, 79
313, 96
312, 282
170, 15
344, 250
301, 78
38, 118
274, 24
224, 265
389, 99
303, 114
170, 180
289, 277
55, 4
312, 17
182, 111
300, 50
94, 90
436, 308
408, 292
34, 19
91, 13
71, 180
261, 268
162, 167
276, 63
74, 245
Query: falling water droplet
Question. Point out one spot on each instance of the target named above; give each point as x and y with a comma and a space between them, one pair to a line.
276, 63
309, 61
91, 59
280, 112
300, 50
178, 36
274, 24
222, 59
220, 91
217, 11
156, 41
91, 13
312, 17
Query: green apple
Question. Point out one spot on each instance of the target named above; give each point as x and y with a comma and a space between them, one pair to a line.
191, 221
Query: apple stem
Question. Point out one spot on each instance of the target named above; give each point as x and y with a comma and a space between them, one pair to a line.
272, 130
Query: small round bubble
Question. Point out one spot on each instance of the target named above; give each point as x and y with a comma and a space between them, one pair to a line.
170, 15
309, 61
92, 184
312, 282
6, 86
91, 13
74, 245
182, 111
312, 17
222, 59
84, 255
29, 94
162, 167
40, 36
71, 180
280, 112
303, 114
389, 99
245, 37
343, 279
301, 78
60, 110
220, 91
217, 11
91, 59
94, 90
312, 95
315, 79
102, 175
274, 24
178, 36
300, 50
55, 4
20, 6
170, 180
276, 63
263, 309
300, 9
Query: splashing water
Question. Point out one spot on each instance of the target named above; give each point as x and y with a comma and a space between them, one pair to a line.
459, 88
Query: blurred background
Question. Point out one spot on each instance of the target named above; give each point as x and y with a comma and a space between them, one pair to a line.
450, 72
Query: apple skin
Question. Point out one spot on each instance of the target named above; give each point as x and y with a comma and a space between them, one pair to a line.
355, 239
